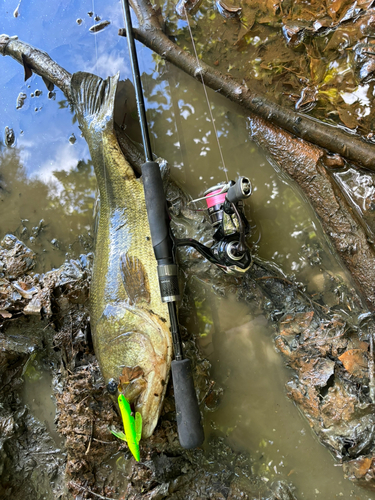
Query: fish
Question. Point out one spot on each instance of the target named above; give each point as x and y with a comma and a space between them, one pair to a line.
130, 324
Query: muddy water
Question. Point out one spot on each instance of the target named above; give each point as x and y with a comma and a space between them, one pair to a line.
47, 175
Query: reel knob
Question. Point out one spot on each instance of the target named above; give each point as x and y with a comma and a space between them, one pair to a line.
240, 190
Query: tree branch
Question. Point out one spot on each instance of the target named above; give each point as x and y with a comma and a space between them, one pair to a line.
37, 60
351, 147
304, 162
42, 64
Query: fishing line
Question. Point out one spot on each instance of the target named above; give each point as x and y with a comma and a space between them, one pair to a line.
207, 99
96, 52
96, 43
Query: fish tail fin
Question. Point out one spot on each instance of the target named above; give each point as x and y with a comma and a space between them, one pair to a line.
94, 99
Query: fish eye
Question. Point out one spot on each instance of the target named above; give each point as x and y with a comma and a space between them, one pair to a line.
112, 386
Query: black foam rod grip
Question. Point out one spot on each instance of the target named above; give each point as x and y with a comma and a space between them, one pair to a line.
189, 425
156, 207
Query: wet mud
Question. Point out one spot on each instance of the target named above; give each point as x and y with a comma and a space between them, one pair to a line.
327, 350
48, 331
330, 353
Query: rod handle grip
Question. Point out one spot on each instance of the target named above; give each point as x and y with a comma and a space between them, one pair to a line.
189, 425
157, 211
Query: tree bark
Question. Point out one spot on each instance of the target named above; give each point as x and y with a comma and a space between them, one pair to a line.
305, 163
351, 147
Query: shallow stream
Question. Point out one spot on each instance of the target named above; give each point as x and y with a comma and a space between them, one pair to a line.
47, 176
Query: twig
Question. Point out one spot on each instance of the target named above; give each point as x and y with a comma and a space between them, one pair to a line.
326, 309
51, 452
92, 430
208, 392
88, 489
104, 442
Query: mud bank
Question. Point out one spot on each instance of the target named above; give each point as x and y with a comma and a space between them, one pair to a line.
45, 329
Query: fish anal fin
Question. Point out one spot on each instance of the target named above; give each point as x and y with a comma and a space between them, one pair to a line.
135, 279
26, 67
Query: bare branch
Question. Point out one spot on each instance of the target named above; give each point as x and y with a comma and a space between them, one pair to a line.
326, 136
42, 65
37, 61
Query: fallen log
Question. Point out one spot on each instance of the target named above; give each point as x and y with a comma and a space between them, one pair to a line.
151, 34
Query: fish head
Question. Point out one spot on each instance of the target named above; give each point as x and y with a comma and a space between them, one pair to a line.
136, 363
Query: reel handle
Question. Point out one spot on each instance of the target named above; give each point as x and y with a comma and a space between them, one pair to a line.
189, 425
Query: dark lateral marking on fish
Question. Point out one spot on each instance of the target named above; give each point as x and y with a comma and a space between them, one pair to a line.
26, 67
157, 395
135, 279
155, 314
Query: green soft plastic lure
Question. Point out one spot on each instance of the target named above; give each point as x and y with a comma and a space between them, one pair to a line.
132, 427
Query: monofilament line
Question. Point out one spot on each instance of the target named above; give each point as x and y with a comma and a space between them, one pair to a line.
96, 52
207, 99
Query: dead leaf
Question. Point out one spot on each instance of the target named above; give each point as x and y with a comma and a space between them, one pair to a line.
296, 323
348, 118
339, 406
355, 362
358, 468
317, 372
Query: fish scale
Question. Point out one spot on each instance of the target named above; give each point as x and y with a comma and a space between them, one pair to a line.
129, 323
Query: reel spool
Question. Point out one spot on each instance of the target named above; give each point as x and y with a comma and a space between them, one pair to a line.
225, 210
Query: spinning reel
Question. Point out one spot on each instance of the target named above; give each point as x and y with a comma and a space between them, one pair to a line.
224, 202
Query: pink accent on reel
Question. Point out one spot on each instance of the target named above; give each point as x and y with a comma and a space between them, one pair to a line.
215, 200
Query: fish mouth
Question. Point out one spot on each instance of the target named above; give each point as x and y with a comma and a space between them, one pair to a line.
144, 391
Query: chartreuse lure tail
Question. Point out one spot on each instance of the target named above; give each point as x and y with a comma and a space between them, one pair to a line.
132, 427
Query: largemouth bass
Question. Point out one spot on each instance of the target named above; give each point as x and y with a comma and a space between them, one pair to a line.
130, 325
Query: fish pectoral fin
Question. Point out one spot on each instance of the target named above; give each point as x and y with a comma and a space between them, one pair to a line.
138, 426
119, 435
135, 279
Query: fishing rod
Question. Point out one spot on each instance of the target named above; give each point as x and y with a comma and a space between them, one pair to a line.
229, 252
189, 425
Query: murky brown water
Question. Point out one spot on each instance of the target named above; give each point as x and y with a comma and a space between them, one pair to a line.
45, 176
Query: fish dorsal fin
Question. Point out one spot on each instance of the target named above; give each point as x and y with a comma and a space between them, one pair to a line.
135, 279
94, 98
